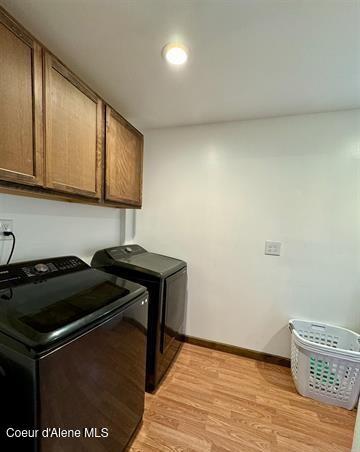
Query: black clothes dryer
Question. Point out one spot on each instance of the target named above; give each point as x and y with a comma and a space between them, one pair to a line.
72, 357
166, 280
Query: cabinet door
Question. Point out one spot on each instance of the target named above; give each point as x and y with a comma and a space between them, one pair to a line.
73, 133
21, 127
124, 158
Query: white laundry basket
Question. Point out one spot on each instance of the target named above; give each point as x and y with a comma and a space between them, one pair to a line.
325, 362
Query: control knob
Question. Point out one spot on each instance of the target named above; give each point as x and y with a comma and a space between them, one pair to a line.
41, 268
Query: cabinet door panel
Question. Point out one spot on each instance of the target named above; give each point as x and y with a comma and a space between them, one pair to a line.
21, 128
124, 158
73, 133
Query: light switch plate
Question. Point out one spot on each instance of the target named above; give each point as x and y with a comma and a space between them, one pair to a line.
272, 248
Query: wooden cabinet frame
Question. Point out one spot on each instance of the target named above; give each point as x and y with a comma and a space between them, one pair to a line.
37, 106
51, 63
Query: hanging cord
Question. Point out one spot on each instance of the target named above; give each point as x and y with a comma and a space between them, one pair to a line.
7, 234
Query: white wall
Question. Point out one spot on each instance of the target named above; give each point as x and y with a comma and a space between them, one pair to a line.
49, 228
213, 194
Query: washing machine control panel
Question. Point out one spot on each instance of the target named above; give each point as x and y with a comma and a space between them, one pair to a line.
37, 270
57, 265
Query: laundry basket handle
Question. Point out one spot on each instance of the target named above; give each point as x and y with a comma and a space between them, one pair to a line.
317, 327
313, 326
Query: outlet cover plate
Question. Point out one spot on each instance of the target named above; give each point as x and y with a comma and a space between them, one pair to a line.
6, 225
272, 248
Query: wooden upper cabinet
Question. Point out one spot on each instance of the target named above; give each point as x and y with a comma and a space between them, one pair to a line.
74, 132
21, 126
124, 158
52, 130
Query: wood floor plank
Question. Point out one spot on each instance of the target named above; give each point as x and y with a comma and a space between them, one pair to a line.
212, 401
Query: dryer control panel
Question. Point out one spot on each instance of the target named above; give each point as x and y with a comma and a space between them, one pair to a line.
122, 252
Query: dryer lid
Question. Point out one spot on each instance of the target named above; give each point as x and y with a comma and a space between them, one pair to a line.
136, 258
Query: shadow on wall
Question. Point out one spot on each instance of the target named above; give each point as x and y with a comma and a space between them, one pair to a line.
280, 341
127, 226
23, 206
122, 227
184, 329
46, 228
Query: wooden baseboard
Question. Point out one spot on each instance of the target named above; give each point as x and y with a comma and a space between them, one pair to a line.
259, 356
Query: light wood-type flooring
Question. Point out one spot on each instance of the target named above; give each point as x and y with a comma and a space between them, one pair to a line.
212, 401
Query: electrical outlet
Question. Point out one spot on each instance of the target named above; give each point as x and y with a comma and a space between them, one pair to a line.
6, 225
272, 248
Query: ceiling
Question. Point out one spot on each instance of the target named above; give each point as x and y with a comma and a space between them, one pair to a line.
248, 58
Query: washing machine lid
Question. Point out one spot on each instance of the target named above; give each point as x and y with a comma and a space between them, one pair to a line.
43, 302
136, 258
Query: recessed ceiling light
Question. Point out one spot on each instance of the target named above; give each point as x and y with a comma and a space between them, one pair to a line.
175, 54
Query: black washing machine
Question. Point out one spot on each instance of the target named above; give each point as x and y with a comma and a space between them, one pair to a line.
72, 357
166, 280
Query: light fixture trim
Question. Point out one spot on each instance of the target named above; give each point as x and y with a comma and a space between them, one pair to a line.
175, 53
